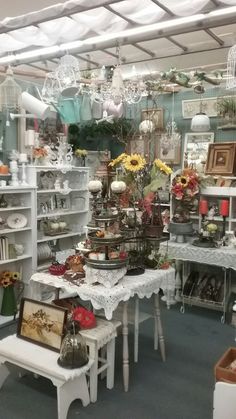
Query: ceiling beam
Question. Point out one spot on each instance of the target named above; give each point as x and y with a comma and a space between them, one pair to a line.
38, 67
163, 7
87, 60
130, 21
110, 53
178, 44
214, 36
145, 50
215, 2
34, 20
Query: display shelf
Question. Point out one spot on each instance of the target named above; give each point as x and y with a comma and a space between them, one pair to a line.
13, 230
61, 191
195, 301
60, 214
58, 236
19, 208
19, 258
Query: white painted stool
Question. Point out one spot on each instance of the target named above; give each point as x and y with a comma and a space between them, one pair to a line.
224, 401
101, 337
70, 384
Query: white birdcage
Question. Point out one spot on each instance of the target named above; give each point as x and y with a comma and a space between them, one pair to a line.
10, 92
231, 68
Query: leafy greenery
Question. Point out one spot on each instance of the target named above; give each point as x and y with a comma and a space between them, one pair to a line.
226, 106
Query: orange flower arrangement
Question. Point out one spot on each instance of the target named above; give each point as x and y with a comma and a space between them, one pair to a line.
39, 152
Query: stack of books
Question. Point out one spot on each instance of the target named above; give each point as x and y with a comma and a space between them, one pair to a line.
4, 248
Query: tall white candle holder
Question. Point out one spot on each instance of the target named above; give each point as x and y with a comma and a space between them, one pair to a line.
23, 160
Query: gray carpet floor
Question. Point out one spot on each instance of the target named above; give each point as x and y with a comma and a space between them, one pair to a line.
180, 388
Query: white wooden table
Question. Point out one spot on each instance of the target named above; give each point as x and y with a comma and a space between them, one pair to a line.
108, 299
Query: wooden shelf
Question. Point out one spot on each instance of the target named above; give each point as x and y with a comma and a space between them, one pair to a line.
13, 230
58, 236
60, 214
23, 257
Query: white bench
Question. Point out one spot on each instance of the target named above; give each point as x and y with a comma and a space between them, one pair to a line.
70, 384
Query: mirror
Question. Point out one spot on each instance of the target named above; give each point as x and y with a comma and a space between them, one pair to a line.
196, 148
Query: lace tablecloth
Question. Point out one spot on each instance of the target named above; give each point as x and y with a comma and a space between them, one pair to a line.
222, 256
108, 298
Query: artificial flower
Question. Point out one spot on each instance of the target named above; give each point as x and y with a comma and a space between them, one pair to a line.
134, 163
8, 278
84, 317
80, 153
184, 181
163, 167
121, 158
39, 152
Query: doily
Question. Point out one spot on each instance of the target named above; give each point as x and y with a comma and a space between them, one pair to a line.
108, 278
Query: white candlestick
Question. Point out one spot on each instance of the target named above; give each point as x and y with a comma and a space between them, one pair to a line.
30, 138
23, 158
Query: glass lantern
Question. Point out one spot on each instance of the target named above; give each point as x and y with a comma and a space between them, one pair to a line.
73, 353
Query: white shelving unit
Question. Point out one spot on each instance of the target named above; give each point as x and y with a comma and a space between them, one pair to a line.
19, 200
68, 203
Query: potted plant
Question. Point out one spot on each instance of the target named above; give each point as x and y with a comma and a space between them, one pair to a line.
226, 107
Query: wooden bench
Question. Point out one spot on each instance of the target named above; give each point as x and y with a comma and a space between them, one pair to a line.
70, 384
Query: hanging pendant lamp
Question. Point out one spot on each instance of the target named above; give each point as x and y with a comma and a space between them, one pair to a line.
200, 122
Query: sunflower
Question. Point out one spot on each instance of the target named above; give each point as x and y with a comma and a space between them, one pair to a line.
184, 181
134, 163
163, 167
15, 276
120, 159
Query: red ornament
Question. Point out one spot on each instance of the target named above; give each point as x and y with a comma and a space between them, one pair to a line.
224, 208
203, 207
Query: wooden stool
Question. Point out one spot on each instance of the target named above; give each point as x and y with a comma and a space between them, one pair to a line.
70, 384
101, 337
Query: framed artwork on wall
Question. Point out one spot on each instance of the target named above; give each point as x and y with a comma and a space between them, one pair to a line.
156, 115
139, 144
42, 323
196, 146
169, 154
192, 107
221, 159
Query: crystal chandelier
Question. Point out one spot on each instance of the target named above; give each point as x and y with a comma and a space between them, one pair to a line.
117, 90
171, 138
231, 67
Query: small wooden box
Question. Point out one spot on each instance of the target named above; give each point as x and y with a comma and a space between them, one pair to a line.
222, 371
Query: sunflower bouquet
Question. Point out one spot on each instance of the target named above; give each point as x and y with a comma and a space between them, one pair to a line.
8, 278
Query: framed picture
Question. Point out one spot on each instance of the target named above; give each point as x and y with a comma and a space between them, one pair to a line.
139, 144
156, 115
196, 147
221, 159
191, 107
166, 152
42, 323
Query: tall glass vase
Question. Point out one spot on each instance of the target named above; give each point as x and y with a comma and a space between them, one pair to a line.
9, 307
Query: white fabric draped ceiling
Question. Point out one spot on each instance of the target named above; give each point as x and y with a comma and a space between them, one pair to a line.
84, 24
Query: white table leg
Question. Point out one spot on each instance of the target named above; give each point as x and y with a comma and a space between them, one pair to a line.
70, 391
157, 317
136, 329
125, 332
178, 281
4, 372
93, 376
111, 363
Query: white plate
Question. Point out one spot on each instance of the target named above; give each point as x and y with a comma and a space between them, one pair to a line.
17, 220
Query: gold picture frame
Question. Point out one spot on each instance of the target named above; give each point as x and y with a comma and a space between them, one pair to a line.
42, 323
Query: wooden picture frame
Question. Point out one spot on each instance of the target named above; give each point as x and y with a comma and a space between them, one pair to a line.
167, 155
191, 107
139, 144
221, 159
42, 323
156, 115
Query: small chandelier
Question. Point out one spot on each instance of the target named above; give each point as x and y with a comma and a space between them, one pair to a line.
200, 122
171, 138
117, 90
